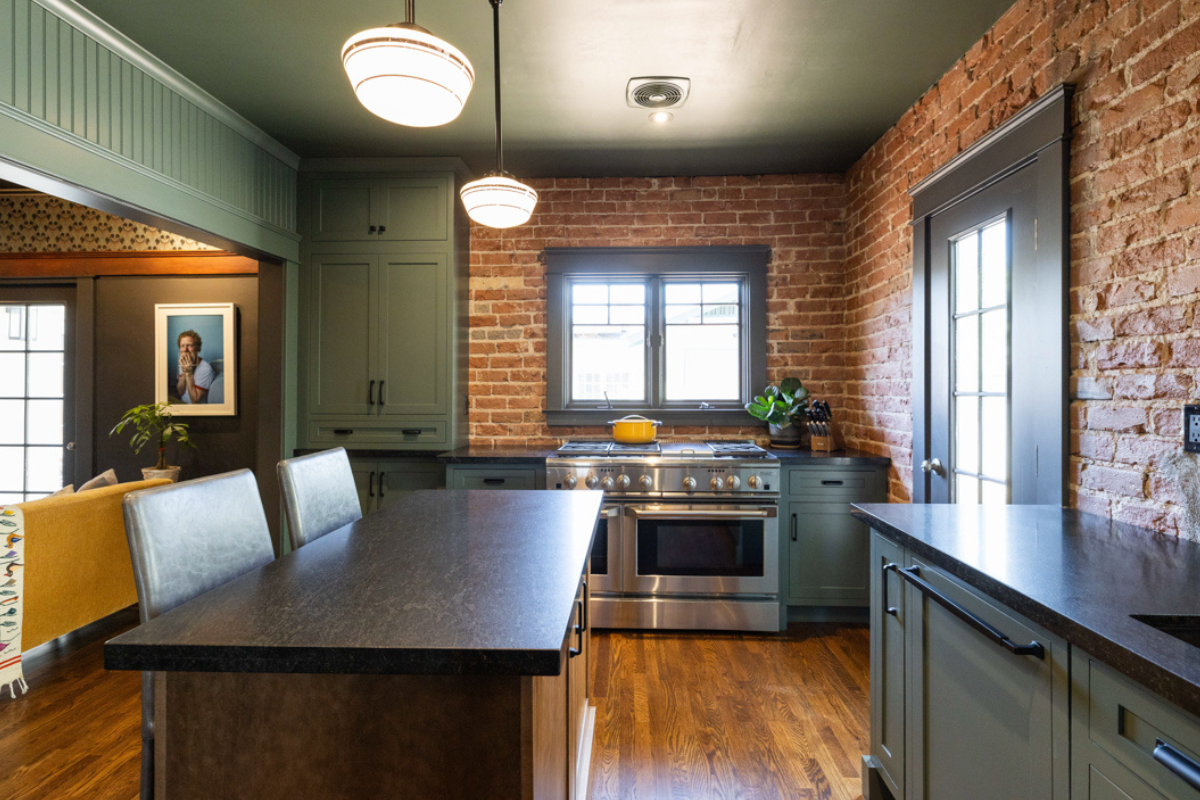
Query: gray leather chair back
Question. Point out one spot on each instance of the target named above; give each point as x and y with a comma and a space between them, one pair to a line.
319, 494
190, 537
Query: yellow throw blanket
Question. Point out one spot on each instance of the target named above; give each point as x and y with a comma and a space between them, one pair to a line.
12, 573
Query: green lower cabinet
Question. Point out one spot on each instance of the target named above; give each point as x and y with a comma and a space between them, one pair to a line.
888, 664
381, 481
497, 477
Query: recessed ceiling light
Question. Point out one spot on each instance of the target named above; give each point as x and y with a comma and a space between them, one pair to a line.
661, 117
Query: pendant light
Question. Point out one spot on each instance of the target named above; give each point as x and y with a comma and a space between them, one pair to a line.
407, 75
498, 200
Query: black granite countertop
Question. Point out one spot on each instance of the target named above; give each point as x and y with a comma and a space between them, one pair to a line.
476, 454
438, 582
835, 458
1078, 575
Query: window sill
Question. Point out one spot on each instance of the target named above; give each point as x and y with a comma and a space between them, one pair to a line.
668, 416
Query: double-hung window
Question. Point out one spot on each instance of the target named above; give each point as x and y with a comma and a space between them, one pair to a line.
677, 332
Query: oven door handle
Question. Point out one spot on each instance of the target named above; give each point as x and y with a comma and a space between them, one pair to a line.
699, 513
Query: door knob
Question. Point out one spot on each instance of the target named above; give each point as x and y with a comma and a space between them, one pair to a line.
933, 465
70, 445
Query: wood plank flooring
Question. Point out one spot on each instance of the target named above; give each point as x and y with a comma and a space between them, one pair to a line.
693, 716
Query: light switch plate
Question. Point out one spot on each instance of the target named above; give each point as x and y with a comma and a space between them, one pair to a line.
1191, 429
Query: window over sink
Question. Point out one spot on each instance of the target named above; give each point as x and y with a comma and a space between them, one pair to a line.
677, 332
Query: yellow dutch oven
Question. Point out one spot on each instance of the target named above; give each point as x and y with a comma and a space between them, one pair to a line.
634, 429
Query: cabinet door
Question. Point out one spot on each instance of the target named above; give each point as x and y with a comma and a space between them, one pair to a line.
414, 356
888, 663
579, 743
828, 555
365, 474
397, 479
340, 329
411, 209
981, 720
341, 211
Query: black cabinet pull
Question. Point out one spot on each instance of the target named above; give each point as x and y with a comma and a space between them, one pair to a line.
794, 535
381, 477
381, 383
494, 481
832, 483
912, 575
585, 605
371, 229
1185, 768
382, 228
343, 431
371, 393
577, 651
371, 484
887, 609
411, 431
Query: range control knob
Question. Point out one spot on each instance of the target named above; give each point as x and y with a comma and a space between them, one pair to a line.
645, 483
717, 484
571, 482
592, 481
606, 484
622, 482
753, 481
733, 483
689, 483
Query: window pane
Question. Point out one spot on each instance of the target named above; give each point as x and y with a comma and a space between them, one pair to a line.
683, 315
45, 421
966, 434
12, 469
593, 293
12, 334
12, 422
995, 265
45, 374
966, 273
720, 293
589, 315
682, 292
11, 498
966, 490
966, 354
995, 437
995, 351
633, 294
721, 315
627, 315
702, 363
45, 469
12, 375
608, 358
994, 494
47, 327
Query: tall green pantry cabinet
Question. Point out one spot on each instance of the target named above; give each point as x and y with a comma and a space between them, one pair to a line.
383, 310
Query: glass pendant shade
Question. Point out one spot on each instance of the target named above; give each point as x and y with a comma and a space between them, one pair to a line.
405, 74
498, 202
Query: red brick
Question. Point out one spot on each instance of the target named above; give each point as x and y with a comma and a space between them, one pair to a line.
1126, 420
1117, 481
1115, 355
1152, 387
1185, 353
1164, 319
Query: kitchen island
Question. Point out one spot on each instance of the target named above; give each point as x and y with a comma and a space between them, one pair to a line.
436, 648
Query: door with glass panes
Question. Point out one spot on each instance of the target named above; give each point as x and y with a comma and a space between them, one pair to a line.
988, 350
36, 408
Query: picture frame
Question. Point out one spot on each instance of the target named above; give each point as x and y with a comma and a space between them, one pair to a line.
209, 388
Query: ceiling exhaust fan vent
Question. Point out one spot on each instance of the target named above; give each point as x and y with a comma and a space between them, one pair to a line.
657, 93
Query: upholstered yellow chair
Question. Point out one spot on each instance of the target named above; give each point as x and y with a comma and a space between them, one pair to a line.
77, 566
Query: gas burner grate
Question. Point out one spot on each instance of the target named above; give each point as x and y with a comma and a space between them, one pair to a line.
651, 449
584, 448
722, 448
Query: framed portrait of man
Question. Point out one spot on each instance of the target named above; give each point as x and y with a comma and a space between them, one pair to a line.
195, 356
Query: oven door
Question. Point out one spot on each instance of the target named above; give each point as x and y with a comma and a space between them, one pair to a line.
605, 569
701, 549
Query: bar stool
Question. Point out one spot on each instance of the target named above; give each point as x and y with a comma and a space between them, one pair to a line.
319, 494
186, 539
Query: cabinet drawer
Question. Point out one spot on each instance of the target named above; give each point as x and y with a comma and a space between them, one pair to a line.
364, 433
1127, 722
830, 485
493, 479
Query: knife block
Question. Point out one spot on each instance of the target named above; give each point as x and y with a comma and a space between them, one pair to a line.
826, 443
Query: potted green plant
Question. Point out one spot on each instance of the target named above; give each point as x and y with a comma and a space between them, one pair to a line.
782, 408
153, 423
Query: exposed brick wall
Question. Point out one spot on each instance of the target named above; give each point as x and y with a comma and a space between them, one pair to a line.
799, 216
1135, 207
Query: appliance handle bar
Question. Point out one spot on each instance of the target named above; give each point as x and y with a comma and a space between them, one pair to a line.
1185, 768
697, 513
889, 609
912, 575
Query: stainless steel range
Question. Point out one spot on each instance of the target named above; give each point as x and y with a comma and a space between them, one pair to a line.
689, 537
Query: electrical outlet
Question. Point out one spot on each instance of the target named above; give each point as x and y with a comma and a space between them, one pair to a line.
1191, 429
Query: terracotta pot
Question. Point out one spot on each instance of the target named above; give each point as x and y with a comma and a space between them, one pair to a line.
634, 429
170, 473
789, 437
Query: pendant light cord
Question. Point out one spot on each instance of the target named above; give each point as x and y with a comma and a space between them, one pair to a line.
410, 12
496, 51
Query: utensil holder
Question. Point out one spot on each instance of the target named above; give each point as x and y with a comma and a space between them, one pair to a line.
825, 443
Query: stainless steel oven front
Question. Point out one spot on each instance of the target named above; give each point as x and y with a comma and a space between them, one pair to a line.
605, 566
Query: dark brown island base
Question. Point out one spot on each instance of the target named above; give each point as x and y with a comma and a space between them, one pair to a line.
434, 649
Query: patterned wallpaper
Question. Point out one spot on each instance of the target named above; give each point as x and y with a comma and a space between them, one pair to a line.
39, 223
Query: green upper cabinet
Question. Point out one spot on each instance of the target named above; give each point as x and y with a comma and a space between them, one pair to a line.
379, 210
413, 335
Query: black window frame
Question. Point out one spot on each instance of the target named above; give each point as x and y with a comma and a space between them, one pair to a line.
655, 266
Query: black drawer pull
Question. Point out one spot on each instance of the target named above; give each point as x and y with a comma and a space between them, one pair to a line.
912, 575
371, 485
382, 228
382, 475
1185, 768
411, 431
381, 402
371, 229
794, 535
494, 481
832, 483
343, 431
371, 393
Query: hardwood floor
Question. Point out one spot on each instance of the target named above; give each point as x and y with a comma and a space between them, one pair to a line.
688, 716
